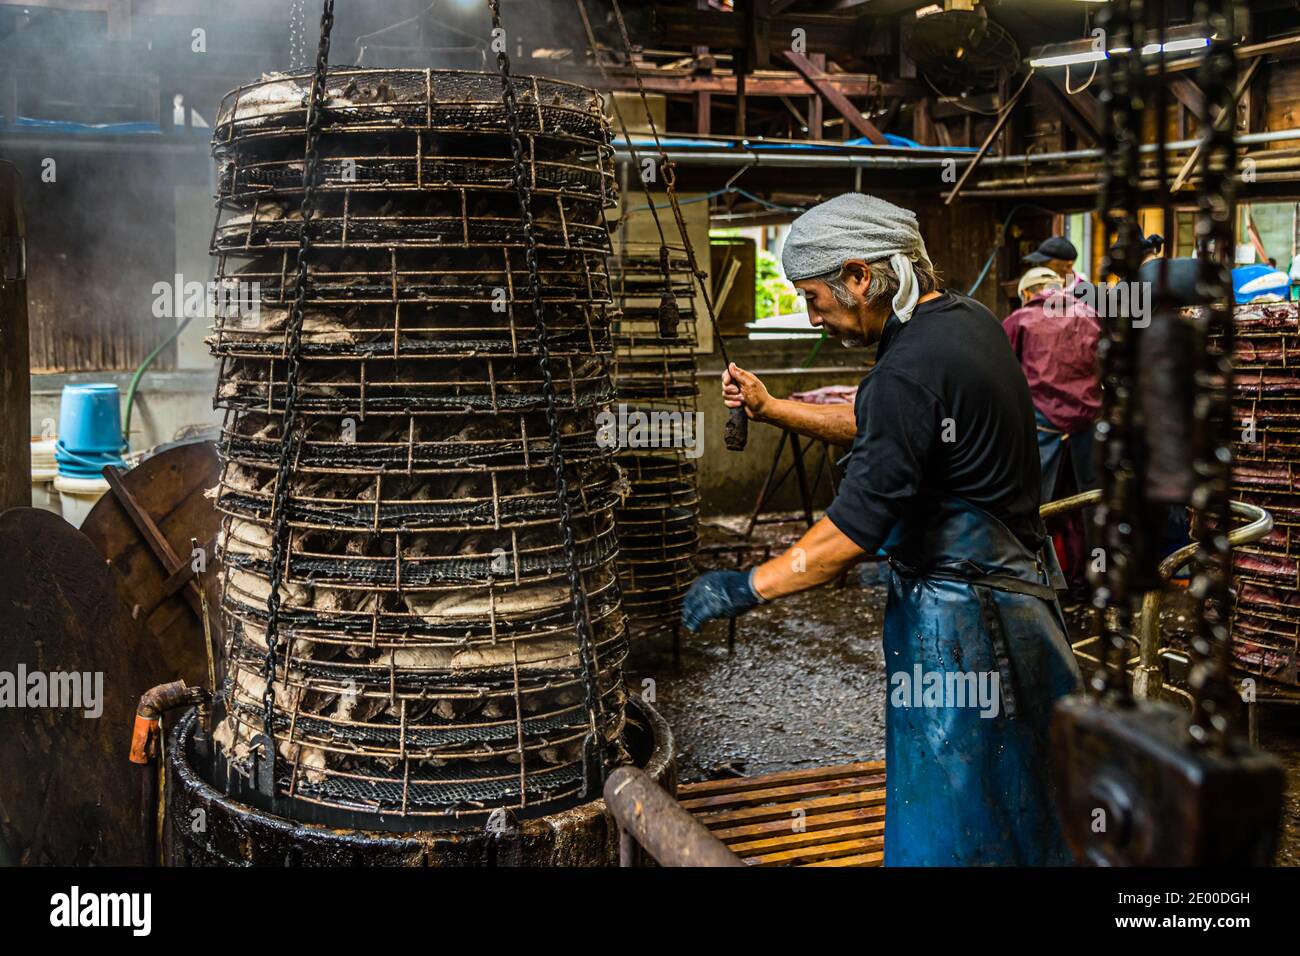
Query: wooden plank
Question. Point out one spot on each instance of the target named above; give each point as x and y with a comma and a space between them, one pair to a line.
800, 840
157, 541
15, 378
740, 784
812, 821
819, 81
863, 859
1226, 115
786, 793
759, 814
809, 854
1188, 93
724, 83
1081, 111
843, 810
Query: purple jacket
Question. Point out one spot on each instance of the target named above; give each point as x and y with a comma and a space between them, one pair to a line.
1055, 337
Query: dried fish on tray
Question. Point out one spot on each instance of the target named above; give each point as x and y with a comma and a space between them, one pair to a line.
1266, 410
428, 667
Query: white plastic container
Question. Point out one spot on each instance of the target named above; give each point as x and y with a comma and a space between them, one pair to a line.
77, 496
44, 470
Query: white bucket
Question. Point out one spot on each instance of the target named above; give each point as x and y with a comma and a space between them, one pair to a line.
77, 496
44, 496
44, 470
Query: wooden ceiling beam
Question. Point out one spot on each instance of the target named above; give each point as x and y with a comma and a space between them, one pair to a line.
836, 99
1080, 111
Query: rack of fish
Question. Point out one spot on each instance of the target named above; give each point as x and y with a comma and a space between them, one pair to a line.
1266, 412
428, 666
657, 430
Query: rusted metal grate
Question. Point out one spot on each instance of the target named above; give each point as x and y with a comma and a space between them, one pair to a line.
826, 816
429, 669
658, 523
1266, 472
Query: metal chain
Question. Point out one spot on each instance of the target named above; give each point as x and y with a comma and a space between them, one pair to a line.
593, 761
668, 295
1211, 585
290, 430
670, 187
1115, 517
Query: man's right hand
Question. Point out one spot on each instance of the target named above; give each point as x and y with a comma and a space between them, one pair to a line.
740, 389
718, 594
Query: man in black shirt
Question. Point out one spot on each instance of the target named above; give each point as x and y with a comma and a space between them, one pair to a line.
943, 474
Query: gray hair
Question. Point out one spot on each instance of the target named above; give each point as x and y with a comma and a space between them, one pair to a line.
882, 282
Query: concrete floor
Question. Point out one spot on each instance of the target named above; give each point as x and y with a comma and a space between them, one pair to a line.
805, 686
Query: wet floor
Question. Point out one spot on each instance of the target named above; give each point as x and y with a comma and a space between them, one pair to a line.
805, 686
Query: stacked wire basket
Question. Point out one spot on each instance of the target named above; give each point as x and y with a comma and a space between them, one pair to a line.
1266, 624
660, 436
428, 669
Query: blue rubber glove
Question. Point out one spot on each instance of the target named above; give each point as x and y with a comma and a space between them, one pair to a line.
719, 594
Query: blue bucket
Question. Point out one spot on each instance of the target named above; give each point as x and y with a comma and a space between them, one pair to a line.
90, 431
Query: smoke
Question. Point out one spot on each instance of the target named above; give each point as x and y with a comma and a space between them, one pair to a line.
104, 159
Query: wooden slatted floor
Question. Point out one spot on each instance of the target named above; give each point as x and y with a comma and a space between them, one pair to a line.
842, 823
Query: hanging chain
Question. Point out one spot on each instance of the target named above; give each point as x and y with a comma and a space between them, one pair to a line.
1115, 518
290, 429
593, 761
669, 171
1211, 585
668, 303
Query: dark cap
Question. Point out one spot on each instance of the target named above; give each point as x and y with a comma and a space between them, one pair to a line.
1056, 247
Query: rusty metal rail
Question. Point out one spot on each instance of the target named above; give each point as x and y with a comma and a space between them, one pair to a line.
1148, 680
650, 819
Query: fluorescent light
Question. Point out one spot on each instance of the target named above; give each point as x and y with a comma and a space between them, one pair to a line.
1177, 46
926, 11
1069, 59
1093, 56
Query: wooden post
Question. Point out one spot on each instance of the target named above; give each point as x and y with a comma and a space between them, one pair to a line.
15, 364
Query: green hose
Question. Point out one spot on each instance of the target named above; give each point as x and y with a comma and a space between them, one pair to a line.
815, 349
139, 374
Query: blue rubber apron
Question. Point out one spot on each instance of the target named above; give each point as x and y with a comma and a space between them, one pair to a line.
969, 781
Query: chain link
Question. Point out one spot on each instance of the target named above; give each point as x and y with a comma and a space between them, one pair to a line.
664, 268
1211, 585
669, 172
593, 762
1115, 517
290, 430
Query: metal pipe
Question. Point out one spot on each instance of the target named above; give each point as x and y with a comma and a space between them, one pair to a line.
691, 157
784, 160
155, 702
652, 819
1275, 136
1147, 678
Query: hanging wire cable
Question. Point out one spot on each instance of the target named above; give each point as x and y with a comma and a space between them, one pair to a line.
1091, 76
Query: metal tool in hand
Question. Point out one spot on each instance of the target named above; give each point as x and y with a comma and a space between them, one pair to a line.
736, 433
594, 765
1142, 782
